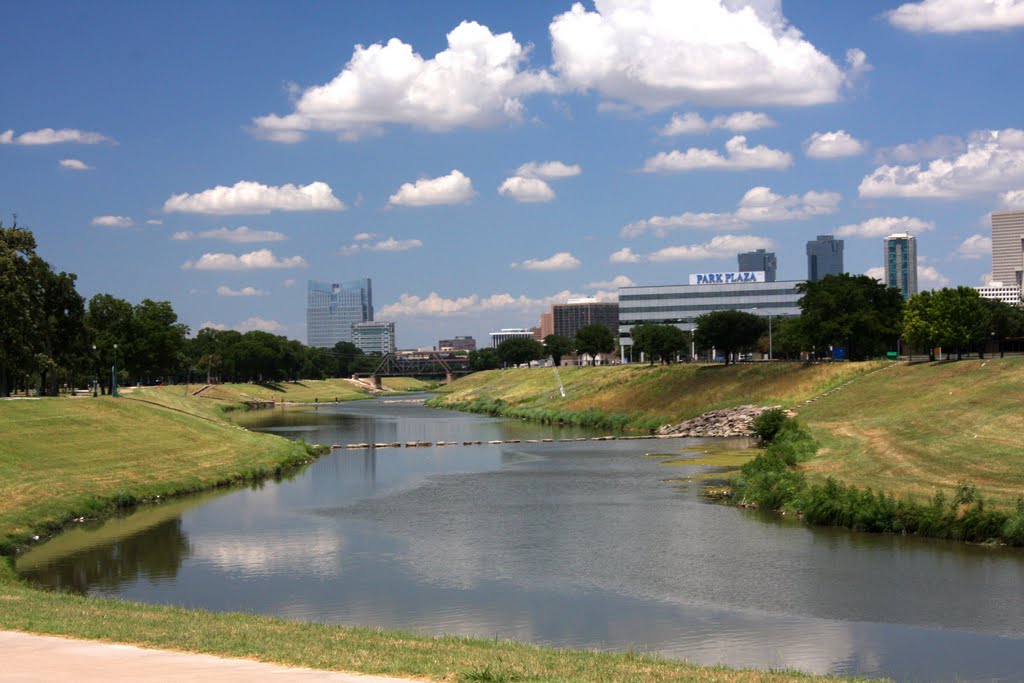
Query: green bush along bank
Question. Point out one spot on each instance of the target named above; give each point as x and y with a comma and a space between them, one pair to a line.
773, 481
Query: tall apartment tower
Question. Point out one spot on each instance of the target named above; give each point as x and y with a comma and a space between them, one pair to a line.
1008, 247
824, 257
901, 263
759, 260
332, 309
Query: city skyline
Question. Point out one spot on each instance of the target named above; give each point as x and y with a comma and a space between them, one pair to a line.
483, 162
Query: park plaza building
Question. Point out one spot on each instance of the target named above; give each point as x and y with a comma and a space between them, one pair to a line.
680, 305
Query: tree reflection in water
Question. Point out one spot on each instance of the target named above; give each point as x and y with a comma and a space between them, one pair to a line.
155, 554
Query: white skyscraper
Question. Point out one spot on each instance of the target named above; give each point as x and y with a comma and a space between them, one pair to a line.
1008, 247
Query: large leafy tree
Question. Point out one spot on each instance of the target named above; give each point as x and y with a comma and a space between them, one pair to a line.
520, 350
61, 326
853, 311
483, 359
659, 342
17, 323
158, 340
109, 321
594, 339
961, 320
919, 330
557, 346
1004, 321
787, 338
728, 331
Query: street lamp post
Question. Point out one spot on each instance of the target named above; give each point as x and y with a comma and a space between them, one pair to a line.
113, 375
96, 369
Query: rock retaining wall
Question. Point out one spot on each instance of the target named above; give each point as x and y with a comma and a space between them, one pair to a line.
738, 421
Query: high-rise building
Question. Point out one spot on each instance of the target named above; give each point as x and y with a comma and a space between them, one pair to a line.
1008, 247
824, 257
374, 337
759, 260
332, 309
569, 317
901, 263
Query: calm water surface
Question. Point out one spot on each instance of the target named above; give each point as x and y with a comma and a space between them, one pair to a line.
578, 544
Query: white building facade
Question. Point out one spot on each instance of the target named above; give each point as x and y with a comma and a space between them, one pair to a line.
1008, 294
374, 337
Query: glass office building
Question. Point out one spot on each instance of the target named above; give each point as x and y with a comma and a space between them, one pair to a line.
569, 317
901, 264
824, 257
374, 337
333, 308
759, 261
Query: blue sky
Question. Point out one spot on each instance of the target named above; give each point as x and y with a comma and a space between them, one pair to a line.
480, 161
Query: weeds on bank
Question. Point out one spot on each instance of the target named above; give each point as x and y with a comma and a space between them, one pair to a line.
772, 481
588, 417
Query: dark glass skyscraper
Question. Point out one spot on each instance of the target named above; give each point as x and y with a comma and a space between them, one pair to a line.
332, 309
824, 257
759, 260
901, 263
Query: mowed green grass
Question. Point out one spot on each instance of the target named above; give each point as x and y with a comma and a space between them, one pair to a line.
65, 457
317, 646
913, 429
308, 391
674, 393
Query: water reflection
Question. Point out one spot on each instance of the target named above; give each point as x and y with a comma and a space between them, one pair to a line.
579, 545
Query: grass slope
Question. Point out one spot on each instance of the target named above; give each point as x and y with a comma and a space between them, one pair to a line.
651, 395
61, 458
308, 390
913, 429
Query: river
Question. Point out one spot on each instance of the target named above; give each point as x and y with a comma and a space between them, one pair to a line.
581, 544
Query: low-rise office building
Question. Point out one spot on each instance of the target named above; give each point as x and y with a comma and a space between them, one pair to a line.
680, 305
1009, 294
457, 344
512, 333
374, 337
569, 317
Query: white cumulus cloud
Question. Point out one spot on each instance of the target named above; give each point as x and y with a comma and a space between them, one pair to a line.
244, 291
757, 204
74, 165
527, 189
1014, 199
718, 247
931, 148
885, 226
389, 244
975, 247
660, 226
563, 260
993, 162
254, 260
738, 157
49, 136
658, 53
614, 283
761, 204
248, 197
435, 305
154, 221
625, 255
957, 16
692, 122
477, 81
454, 188
928, 277
549, 170
877, 273
113, 221
833, 145
362, 236
239, 235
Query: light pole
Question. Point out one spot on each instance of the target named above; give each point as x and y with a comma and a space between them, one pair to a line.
96, 370
113, 375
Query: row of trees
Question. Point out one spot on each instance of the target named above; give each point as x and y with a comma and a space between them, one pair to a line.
49, 336
591, 341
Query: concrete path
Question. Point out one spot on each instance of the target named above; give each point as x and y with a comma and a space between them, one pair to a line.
27, 657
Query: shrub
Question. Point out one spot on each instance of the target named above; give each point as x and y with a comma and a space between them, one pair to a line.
768, 424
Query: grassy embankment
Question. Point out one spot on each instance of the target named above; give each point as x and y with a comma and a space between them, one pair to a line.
640, 397
308, 391
907, 430
62, 458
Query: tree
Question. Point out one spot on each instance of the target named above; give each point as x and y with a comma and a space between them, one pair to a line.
157, 340
728, 331
520, 350
483, 359
557, 346
594, 339
919, 323
18, 326
853, 311
659, 342
109, 321
788, 339
1004, 321
961, 320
